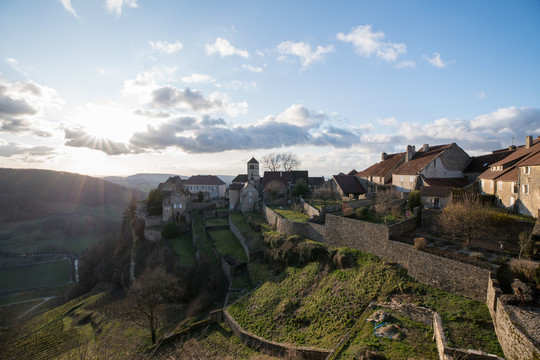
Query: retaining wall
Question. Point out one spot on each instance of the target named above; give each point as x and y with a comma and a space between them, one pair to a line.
271, 347
152, 235
309, 230
514, 340
152, 220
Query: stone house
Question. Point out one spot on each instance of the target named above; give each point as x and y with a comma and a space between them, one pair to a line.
348, 186
479, 164
435, 193
211, 186
504, 179
379, 176
243, 197
529, 185
175, 199
441, 161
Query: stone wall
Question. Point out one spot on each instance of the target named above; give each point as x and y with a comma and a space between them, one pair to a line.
403, 226
514, 340
311, 231
360, 235
310, 210
152, 234
152, 221
240, 238
271, 347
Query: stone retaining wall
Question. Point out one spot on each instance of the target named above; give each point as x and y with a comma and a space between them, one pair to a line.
514, 340
152, 235
308, 230
152, 221
271, 347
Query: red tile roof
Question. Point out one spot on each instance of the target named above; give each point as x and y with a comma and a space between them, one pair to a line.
420, 160
518, 157
383, 167
519, 154
533, 159
446, 182
479, 164
436, 191
509, 175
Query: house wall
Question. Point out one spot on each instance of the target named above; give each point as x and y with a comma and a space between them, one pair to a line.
529, 204
249, 198
505, 193
487, 186
234, 195
408, 184
429, 201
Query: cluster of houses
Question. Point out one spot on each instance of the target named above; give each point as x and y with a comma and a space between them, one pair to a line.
511, 175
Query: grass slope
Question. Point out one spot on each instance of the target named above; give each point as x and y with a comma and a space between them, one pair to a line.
227, 244
315, 306
183, 247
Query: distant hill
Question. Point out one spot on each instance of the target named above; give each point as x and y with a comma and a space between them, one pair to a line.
147, 182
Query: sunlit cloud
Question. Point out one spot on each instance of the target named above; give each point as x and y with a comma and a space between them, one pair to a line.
116, 6
224, 48
255, 69
69, 8
166, 47
436, 60
368, 43
198, 78
304, 52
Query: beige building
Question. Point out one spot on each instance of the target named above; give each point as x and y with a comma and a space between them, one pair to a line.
441, 161
379, 175
243, 197
211, 186
529, 185
175, 199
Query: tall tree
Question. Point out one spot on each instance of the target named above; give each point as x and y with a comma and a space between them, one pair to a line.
154, 202
289, 161
148, 293
272, 161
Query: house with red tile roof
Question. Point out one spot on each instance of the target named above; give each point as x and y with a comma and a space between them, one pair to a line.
529, 184
435, 193
504, 180
379, 176
440, 161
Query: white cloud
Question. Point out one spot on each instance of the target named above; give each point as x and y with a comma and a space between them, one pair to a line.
69, 8
391, 122
166, 47
224, 48
256, 69
303, 51
198, 78
436, 60
481, 95
406, 64
15, 65
237, 84
116, 6
9, 149
368, 43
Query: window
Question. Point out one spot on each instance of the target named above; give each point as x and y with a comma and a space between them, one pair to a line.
499, 185
525, 188
527, 170
491, 184
514, 188
411, 179
252, 166
401, 178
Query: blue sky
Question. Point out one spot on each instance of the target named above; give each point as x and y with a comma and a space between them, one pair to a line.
117, 87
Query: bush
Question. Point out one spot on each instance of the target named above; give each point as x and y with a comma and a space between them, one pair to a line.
476, 256
362, 212
524, 269
310, 252
419, 243
396, 211
169, 231
499, 218
528, 245
414, 200
274, 240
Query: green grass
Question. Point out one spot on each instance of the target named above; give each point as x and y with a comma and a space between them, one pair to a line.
217, 221
227, 244
183, 247
417, 342
45, 232
316, 306
35, 275
253, 237
291, 214
318, 204
203, 243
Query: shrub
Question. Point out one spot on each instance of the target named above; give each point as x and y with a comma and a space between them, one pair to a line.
169, 230
396, 211
524, 269
419, 243
528, 246
414, 200
344, 258
362, 212
499, 218
310, 252
274, 240
537, 275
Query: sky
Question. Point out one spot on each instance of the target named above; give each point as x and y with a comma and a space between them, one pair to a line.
118, 87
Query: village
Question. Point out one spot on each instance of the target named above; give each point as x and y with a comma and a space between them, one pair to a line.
393, 210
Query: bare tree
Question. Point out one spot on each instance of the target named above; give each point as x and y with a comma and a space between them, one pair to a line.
286, 161
289, 161
274, 189
148, 293
325, 193
272, 161
467, 217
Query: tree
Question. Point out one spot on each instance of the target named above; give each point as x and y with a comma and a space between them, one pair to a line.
154, 202
169, 230
467, 217
289, 161
325, 193
286, 161
414, 200
300, 188
147, 294
274, 189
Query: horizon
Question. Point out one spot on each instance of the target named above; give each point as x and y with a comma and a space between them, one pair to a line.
132, 86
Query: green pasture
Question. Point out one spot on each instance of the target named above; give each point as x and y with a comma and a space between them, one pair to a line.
183, 247
32, 276
227, 244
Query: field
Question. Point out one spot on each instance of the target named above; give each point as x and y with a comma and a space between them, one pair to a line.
183, 247
227, 244
290, 214
67, 227
33, 276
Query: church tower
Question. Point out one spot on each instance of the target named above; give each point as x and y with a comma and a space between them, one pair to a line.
253, 172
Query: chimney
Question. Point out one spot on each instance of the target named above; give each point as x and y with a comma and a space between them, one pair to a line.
425, 147
410, 152
528, 142
512, 147
384, 156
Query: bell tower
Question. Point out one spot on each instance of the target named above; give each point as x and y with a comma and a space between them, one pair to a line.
253, 172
